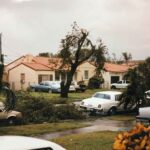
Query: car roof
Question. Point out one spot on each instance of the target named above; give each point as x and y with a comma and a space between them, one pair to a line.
26, 143
110, 92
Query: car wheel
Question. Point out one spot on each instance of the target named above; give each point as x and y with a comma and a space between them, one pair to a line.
113, 87
49, 91
33, 90
112, 111
11, 121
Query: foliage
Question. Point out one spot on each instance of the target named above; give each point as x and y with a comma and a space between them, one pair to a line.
38, 111
95, 82
47, 54
76, 48
138, 139
139, 77
68, 112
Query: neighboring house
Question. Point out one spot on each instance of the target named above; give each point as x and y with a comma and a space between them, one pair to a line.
32, 70
113, 73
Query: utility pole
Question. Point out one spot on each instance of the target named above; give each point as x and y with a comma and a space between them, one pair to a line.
1, 62
1, 55
1, 47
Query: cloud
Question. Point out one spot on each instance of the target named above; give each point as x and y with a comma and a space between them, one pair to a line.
38, 25
19, 1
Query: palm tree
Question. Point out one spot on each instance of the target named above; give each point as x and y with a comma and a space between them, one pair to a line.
139, 77
126, 56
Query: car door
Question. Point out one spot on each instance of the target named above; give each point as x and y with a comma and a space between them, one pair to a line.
41, 87
119, 84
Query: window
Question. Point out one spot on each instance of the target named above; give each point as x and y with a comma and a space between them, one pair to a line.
119, 82
44, 148
22, 78
103, 96
51, 77
57, 76
117, 97
86, 74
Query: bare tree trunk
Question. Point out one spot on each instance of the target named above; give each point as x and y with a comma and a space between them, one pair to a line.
66, 85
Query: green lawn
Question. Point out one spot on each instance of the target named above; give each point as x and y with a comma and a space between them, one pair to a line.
35, 129
55, 97
123, 117
89, 141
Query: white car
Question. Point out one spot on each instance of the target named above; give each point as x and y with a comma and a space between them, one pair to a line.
27, 143
105, 102
120, 84
147, 93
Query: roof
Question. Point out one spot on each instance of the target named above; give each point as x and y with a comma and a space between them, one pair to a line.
37, 66
116, 68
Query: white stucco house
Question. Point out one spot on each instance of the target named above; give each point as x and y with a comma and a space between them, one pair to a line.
31, 69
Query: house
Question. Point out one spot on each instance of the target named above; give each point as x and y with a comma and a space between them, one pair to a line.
32, 70
113, 73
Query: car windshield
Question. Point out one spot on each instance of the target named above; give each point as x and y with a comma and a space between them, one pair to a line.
101, 95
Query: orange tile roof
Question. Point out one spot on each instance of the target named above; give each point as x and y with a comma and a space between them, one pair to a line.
116, 68
37, 66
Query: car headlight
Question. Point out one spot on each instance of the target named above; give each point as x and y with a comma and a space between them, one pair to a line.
99, 106
82, 103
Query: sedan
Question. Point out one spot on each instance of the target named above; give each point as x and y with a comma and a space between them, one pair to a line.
105, 102
46, 86
26, 143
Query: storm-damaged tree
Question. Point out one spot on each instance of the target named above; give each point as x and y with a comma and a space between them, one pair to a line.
77, 48
10, 98
134, 95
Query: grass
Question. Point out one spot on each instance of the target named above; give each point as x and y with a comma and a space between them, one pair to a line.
122, 117
36, 129
55, 97
89, 141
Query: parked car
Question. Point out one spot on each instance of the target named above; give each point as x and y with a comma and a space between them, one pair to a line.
105, 102
49, 86
143, 115
78, 87
27, 143
147, 94
11, 116
120, 84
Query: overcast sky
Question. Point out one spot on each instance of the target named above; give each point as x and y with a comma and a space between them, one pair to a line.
34, 26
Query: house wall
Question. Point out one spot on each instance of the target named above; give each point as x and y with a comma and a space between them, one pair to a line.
15, 77
31, 77
107, 78
80, 72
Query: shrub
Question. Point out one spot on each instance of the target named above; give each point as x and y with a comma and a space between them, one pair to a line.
95, 82
136, 139
68, 112
37, 110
